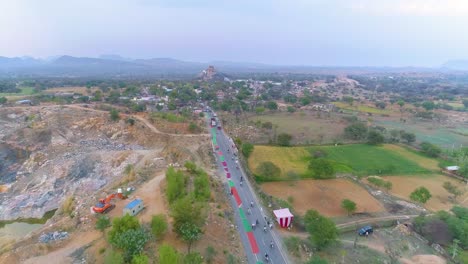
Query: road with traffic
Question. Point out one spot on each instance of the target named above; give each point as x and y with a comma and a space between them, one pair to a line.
256, 229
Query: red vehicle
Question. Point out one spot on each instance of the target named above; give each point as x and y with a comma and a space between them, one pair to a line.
104, 205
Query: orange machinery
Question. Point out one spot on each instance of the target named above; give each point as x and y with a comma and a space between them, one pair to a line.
104, 205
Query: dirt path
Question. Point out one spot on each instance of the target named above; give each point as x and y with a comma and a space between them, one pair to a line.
368, 220
62, 255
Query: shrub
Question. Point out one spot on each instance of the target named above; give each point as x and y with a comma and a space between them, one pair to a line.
268, 170
284, 139
159, 225
322, 169
430, 149
114, 114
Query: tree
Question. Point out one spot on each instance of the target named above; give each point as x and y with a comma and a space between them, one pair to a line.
193, 258
268, 170
322, 230
381, 104
122, 224
430, 149
291, 109
428, 105
355, 131
193, 128
305, 101
188, 220
131, 241
247, 149
201, 185
452, 189
175, 187
168, 254
375, 138
421, 195
159, 225
113, 257
259, 110
348, 205
272, 105
114, 114
401, 103
3, 100
408, 137
102, 223
284, 139
322, 168
140, 259
348, 99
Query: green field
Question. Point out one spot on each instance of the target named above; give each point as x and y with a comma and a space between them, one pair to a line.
362, 108
24, 91
358, 159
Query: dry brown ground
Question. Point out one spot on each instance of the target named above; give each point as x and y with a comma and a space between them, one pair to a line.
324, 196
404, 185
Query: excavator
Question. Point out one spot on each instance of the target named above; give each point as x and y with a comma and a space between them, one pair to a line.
104, 205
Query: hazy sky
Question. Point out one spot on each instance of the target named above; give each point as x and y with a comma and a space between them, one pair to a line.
305, 32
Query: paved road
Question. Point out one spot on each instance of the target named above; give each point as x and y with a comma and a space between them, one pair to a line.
258, 240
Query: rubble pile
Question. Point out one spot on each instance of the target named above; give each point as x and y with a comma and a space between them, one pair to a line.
53, 236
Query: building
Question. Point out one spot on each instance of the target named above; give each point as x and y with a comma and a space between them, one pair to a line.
134, 207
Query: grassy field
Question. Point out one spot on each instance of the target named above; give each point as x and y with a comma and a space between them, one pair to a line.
24, 91
324, 196
359, 159
362, 108
404, 185
306, 126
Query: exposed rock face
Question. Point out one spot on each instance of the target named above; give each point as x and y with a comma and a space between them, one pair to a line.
51, 153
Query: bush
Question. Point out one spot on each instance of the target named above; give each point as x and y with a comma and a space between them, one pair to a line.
430, 149
293, 244
375, 138
284, 139
378, 182
355, 131
114, 114
247, 149
130, 121
194, 128
268, 170
210, 253
159, 225
322, 169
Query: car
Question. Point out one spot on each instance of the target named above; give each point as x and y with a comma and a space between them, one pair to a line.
365, 231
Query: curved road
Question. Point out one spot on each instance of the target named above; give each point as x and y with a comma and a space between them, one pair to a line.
258, 240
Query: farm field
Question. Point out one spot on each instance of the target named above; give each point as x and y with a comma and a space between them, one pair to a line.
306, 127
427, 131
363, 108
24, 91
359, 159
404, 185
324, 196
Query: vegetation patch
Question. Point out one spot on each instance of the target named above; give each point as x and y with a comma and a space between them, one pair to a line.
361, 108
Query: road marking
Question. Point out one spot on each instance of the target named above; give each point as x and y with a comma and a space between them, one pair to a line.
253, 242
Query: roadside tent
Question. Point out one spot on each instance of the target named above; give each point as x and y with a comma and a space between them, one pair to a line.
283, 217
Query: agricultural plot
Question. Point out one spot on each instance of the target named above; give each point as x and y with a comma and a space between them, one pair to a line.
359, 159
306, 127
363, 108
404, 185
324, 196
24, 91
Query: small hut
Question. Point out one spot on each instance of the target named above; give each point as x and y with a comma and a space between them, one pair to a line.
134, 207
283, 217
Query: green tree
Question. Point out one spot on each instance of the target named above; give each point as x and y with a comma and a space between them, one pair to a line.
284, 139
381, 105
348, 99
401, 103
465, 103
268, 170
201, 185
114, 114
168, 254
159, 225
321, 229
140, 259
131, 241
247, 149
272, 105
348, 205
421, 195
122, 224
408, 137
259, 110
428, 105
175, 185
452, 189
187, 220
190, 166
193, 128
322, 168
102, 223
305, 101
375, 138
291, 109
193, 258
430, 149
3, 100
355, 131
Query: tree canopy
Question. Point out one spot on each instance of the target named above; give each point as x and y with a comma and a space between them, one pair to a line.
321, 229
421, 195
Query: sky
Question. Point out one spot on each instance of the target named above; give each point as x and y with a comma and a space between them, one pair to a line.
284, 32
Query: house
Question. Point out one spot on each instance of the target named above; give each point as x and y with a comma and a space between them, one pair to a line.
134, 207
452, 168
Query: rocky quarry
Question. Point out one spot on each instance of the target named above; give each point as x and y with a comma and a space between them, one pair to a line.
49, 153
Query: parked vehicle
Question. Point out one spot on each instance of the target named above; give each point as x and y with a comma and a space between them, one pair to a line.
365, 231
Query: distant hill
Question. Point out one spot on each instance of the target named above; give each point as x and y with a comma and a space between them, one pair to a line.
459, 65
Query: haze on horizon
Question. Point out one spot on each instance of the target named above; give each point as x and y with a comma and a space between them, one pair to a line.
287, 32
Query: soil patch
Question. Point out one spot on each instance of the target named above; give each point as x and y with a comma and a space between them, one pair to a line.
324, 196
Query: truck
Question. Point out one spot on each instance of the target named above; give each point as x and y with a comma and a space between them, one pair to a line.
213, 122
